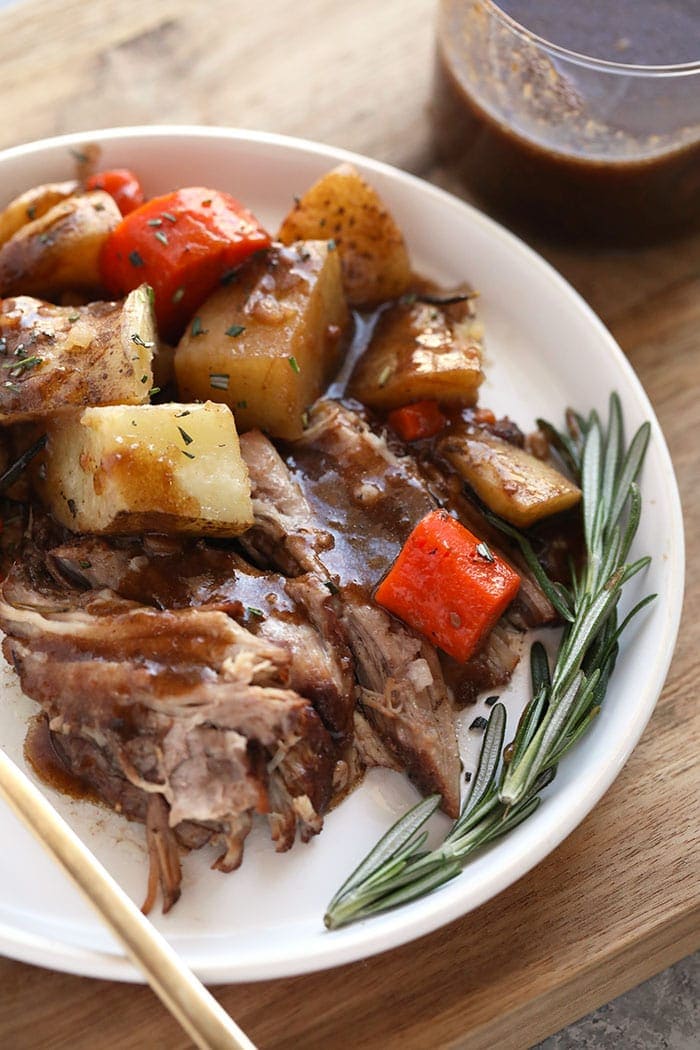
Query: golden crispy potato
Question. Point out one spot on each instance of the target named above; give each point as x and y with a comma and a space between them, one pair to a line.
32, 205
512, 483
60, 250
419, 352
60, 357
268, 344
342, 206
161, 468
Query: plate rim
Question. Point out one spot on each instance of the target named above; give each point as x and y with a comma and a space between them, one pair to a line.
354, 942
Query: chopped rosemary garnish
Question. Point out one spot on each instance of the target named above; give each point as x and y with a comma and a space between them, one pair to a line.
155, 222
331, 245
332, 587
294, 364
21, 365
479, 723
9, 476
235, 330
135, 259
177, 295
197, 327
565, 698
153, 391
241, 404
218, 380
169, 216
187, 438
189, 455
384, 375
73, 318
257, 613
85, 564
161, 236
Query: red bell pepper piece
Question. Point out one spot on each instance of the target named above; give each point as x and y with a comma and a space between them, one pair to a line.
448, 585
423, 419
122, 185
182, 244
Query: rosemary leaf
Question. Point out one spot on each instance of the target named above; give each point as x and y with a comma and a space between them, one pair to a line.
401, 833
565, 700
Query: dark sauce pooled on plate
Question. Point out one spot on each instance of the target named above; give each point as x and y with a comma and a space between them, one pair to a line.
569, 149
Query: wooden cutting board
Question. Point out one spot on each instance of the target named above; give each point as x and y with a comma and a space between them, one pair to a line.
619, 900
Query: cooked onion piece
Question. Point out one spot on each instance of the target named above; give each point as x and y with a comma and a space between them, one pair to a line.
512, 483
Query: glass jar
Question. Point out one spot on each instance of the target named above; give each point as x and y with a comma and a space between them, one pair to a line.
575, 145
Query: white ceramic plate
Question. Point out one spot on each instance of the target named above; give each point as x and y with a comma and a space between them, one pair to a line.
545, 350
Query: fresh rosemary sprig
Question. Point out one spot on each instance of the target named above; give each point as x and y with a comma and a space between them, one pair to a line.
565, 698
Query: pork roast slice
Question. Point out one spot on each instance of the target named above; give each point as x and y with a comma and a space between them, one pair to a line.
185, 704
295, 614
335, 490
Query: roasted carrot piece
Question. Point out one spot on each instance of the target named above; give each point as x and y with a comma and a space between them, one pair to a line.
182, 244
448, 585
422, 419
121, 184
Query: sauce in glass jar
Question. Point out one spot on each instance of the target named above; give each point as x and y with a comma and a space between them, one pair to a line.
604, 148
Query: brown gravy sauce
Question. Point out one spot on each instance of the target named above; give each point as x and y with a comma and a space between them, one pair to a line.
531, 150
41, 755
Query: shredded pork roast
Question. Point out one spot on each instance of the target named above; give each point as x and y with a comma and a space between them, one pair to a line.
193, 684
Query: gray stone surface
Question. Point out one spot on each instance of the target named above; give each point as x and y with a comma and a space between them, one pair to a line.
662, 1013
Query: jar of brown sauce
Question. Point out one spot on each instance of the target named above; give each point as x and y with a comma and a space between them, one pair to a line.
580, 118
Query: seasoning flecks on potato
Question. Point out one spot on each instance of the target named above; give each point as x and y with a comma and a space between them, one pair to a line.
342, 206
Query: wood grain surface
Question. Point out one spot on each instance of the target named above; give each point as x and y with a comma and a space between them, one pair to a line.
618, 901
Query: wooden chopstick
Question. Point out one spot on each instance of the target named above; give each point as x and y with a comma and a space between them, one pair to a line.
202, 1017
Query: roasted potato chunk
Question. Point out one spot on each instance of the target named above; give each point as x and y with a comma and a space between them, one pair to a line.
511, 482
60, 357
32, 205
268, 344
60, 250
161, 468
373, 254
419, 352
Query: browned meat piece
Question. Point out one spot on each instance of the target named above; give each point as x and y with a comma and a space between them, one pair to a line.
404, 696
489, 668
322, 664
163, 856
284, 534
294, 614
359, 491
370, 748
185, 704
341, 464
